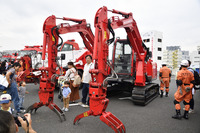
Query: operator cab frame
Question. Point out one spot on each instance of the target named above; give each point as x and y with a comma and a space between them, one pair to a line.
123, 58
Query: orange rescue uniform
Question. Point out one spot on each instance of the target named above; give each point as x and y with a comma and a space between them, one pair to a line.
186, 77
165, 76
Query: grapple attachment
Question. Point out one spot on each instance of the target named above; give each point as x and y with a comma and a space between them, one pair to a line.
113, 122
80, 116
52, 106
108, 118
34, 106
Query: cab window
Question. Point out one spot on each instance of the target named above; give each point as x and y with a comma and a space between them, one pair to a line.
66, 47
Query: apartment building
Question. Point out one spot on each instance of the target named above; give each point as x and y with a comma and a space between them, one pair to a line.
195, 58
153, 40
172, 56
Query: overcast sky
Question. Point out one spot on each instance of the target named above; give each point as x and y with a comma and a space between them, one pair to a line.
21, 21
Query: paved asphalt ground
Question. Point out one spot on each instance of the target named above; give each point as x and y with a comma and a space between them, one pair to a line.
152, 118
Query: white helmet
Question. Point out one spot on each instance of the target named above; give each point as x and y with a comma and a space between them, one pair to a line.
164, 63
184, 63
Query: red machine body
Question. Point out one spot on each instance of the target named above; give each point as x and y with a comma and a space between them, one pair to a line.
50, 45
26, 74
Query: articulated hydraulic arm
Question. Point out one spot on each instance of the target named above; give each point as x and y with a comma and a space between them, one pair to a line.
82, 28
97, 88
47, 86
50, 42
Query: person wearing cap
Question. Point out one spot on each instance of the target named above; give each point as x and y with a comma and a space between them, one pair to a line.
5, 102
165, 78
185, 80
12, 88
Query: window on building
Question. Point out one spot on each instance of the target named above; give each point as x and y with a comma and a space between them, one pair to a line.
159, 40
159, 49
146, 40
198, 52
196, 61
159, 58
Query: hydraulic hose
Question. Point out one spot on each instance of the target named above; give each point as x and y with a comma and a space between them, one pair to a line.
53, 34
111, 31
57, 33
112, 76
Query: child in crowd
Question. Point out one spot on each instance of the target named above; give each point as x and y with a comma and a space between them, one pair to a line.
22, 91
5, 102
66, 95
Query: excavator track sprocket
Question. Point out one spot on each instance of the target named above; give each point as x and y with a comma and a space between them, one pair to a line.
142, 95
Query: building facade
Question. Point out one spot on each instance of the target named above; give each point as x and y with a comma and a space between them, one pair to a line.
195, 59
153, 40
185, 55
172, 56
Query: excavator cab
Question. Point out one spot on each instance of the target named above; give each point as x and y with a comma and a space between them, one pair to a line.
65, 47
122, 57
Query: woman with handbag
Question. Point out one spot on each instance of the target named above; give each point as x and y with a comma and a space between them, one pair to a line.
70, 75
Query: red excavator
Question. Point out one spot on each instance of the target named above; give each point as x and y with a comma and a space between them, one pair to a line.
50, 46
134, 67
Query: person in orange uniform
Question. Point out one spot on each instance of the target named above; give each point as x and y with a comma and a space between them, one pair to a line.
185, 80
165, 78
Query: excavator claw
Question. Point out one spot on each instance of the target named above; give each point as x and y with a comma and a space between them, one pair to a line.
113, 122
80, 116
58, 111
108, 118
52, 106
34, 106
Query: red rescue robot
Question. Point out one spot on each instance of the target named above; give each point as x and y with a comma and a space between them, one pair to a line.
50, 45
141, 67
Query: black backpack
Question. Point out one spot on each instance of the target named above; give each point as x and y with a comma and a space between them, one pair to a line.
196, 79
